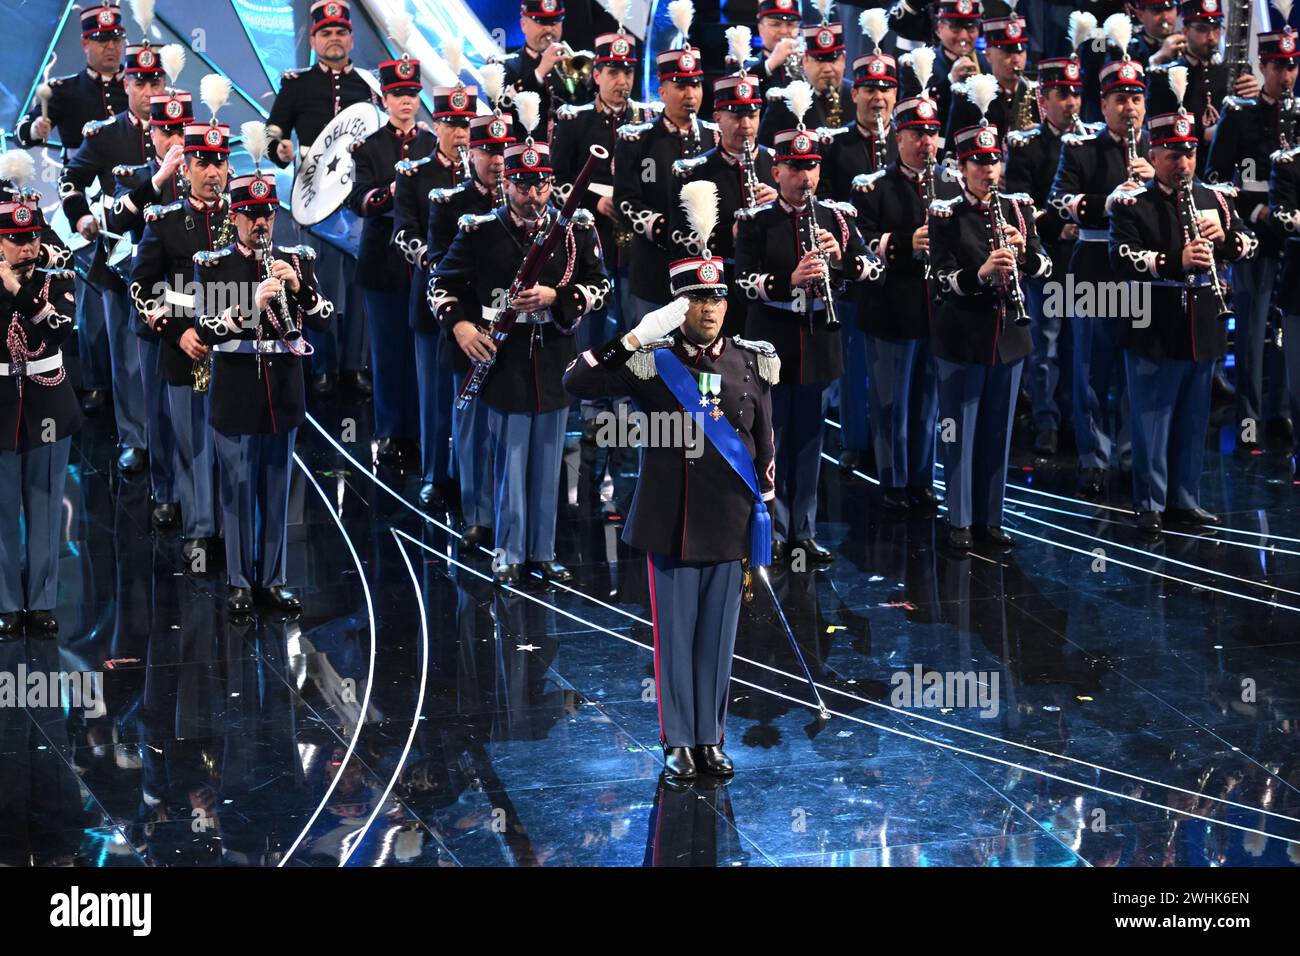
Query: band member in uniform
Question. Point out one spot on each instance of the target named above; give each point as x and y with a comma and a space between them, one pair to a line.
780, 57
978, 337
443, 168
308, 99
66, 104
1032, 158
1091, 168
1014, 109
157, 181
258, 391
1249, 132
785, 278
537, 66
866, 144
382, 273
694, 543
823, 66
1284, 216
644, 184
893, 217
196, 219
527, 404
1156, 41
1170, 358
122, 140
38, 415
957, 28
736, 106
489, 135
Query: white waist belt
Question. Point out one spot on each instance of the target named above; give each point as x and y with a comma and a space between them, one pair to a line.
178, 298
525, 318
600, 189
1093, 235
1254, 186
39, 367
263, 346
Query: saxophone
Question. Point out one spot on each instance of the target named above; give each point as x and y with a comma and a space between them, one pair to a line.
834, 115
202, 370
1025, 108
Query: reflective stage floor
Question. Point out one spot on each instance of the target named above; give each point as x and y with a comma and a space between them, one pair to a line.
416, 715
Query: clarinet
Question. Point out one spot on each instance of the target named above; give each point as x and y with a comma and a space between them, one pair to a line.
1191, 233
692, 145
879, 148
927, 177
462, 158
808, 243
749, 174
1131, 151
1075, 125
264, 247
1013, 297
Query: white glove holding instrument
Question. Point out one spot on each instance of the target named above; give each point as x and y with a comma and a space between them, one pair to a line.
657, 324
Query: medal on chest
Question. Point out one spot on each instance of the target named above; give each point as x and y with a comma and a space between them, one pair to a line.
710, 390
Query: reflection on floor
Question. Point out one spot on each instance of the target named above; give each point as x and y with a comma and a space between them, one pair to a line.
416, 715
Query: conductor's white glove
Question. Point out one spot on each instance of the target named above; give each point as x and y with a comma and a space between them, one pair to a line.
657, 324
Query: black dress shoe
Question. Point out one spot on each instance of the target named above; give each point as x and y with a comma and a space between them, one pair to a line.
895, 499
992, 535
1092, 484
959, 539
92, 402
388, 452
925, 497
1191, 518
42, 622
508, 574
1148, 523
323, 384
132, 460
1046, 441
814, 552
679, 763
711, 759
11, 622
357, 382
277, 599
166, 514
430, 499
239, 601
554, 571
476, 535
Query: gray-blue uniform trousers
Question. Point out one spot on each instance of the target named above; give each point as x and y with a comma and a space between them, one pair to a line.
691, 515
384, 277
1284, 214
412, 215
473, 438
794, 321
1091, 167
258, 400
38, 415
164, 266
134, 193
122, 140
895, 316
527, 404
1245, 139
978, 357
306, 102
1171, 357
76, 100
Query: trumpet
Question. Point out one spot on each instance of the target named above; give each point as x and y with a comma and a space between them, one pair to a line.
793, 64
575, 67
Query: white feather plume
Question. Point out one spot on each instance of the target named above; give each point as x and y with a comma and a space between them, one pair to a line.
981, 90
528, 106
824, 8
1082, 24
454, 53
1119, 30
618, 10
874, 25
1177, 76
214, 91
922, 60
682, 14
142, 11
17, 166
494, 81
740, 41
1283, 7
700, 203
799, 97
400, 24
173, 61
253, 134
